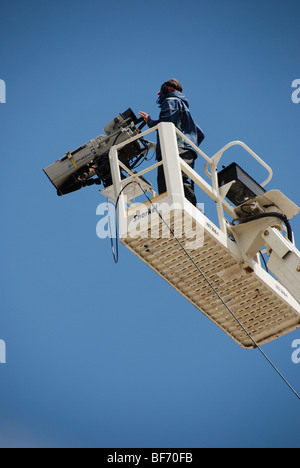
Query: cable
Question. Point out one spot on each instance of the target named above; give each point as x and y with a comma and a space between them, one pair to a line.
213, 288
115, 255
282, 217
115, 252
264, 260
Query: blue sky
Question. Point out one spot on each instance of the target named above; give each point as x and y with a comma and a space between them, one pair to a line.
105, 355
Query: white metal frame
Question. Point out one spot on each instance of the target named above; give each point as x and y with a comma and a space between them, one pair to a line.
173, 178
231, 266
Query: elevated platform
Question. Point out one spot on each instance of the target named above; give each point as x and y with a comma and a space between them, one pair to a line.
264, 306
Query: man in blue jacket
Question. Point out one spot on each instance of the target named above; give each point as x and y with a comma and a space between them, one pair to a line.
175, 108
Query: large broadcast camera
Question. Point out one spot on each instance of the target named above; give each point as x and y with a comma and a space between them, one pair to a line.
89, 164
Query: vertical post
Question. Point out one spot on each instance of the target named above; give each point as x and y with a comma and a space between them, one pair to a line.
220, 209
116, 177
171, 163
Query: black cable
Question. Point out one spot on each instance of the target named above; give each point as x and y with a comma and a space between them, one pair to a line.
264, 260
116, 139
116, 252
280, 216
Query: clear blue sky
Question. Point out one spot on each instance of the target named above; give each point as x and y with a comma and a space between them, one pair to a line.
105, 355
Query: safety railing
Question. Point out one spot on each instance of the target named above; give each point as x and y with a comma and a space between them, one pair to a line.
200, 182
212, 190
217, 157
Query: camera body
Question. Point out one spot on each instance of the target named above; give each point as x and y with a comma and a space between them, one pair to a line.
78, 168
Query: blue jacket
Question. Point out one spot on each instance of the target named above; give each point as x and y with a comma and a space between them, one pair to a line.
175, 109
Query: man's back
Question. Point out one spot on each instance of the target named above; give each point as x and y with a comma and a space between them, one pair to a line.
175, 109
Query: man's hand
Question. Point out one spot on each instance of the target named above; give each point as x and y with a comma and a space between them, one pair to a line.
145, 116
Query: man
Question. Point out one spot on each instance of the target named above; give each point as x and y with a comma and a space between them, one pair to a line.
175, 108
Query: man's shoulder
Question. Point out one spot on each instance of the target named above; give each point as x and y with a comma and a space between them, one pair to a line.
171, 101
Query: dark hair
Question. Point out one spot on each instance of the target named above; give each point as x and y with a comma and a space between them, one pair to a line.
173, 84
167, 88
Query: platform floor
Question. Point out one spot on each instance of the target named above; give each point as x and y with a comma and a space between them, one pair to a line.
264, 313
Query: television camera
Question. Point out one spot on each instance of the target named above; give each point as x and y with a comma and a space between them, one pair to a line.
89, 164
